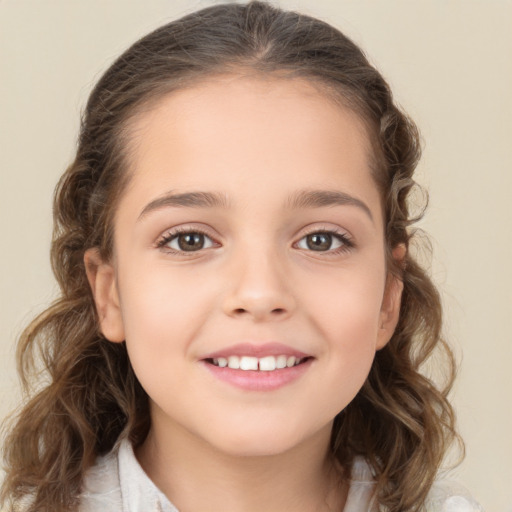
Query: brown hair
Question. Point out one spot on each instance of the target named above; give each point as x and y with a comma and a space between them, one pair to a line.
400, 420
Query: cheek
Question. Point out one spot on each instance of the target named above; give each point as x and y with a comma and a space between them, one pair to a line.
164, 311
160, 312
347, 315
349, 302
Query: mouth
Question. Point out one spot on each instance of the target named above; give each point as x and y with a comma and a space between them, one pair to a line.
260, 364
256, 368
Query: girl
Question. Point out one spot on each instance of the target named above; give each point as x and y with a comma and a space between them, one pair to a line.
242, 323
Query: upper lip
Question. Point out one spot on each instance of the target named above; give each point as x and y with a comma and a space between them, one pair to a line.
256, 350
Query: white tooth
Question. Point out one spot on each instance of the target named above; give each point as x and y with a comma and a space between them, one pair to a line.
222, 362
290, 361
234, 362
281, 361
268, 363
298, 361
215, 362
248, 363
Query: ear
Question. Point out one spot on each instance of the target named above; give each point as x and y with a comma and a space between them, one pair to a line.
390, 309
102, 279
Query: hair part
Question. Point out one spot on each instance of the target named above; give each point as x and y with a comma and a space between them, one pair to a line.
400, 420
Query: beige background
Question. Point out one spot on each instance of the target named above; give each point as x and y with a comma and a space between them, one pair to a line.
450, 64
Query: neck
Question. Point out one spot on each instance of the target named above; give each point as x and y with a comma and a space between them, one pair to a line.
195, 476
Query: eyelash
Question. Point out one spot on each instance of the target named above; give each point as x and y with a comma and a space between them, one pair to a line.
347, 243
171, 235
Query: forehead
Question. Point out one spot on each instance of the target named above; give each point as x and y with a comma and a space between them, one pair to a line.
237, 132
217, 94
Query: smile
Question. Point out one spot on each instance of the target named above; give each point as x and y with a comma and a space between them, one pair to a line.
264, 364
258, 372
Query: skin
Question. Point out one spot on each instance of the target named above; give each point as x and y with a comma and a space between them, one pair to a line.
256, 141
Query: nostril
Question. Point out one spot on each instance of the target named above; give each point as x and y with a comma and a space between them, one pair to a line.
276, 311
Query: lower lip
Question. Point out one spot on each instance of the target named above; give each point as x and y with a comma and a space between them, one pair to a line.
257, 380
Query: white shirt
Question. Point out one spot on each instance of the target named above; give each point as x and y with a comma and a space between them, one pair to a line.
117, 483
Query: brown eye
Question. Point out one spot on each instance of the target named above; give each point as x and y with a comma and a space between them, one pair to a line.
323, 242
319, 241
189, 241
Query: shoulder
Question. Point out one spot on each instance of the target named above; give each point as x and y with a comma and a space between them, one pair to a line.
117, 483
444, 496
101, 489
450, 496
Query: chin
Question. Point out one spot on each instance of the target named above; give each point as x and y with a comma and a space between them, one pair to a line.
262, 442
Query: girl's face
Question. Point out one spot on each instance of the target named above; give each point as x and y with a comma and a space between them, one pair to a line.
251, 233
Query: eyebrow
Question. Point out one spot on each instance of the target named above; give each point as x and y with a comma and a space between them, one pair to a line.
298, 200
324, 198
187, 200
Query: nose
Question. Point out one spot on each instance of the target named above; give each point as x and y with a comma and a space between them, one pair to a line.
259, 289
